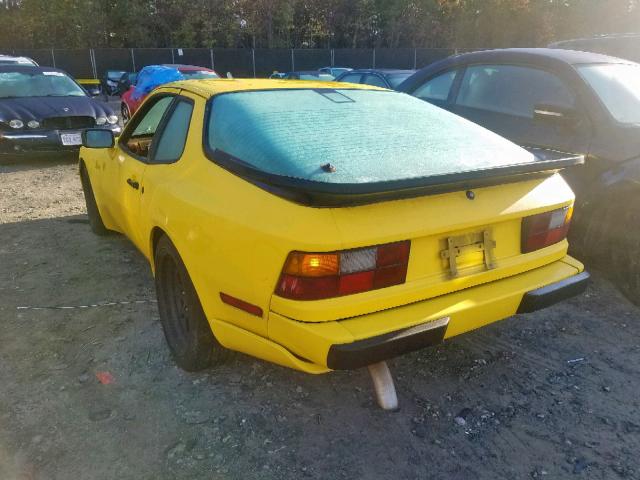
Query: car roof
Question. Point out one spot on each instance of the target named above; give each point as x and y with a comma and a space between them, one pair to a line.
210, 88
385, 71
306, 72
180, 66
17, 59
28, 69
571, 57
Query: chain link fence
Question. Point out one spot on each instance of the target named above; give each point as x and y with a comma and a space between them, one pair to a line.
240, 62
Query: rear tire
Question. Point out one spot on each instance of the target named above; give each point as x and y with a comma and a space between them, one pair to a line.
95, 220
185, 325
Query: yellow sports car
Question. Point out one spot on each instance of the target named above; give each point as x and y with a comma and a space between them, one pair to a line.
326, 226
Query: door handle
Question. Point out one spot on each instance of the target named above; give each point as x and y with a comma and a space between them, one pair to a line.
133, 184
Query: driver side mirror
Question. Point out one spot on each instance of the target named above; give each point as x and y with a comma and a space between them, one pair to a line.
555, 114
98, 138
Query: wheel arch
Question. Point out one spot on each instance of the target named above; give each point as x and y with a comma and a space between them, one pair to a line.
598, 231
156, 234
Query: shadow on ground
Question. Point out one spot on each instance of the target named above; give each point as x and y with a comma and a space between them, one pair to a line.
553, 393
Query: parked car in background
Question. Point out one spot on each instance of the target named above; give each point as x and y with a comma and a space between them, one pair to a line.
219, 183
155, 75
626, 45
10, 60
109, 82
568, 101
277, 75
334, 71
91, 85
308, 75
127, 80
378, 77
43, 112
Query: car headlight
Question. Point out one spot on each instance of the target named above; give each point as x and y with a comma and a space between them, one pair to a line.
101, 120
112, 119
33, 124
16, 123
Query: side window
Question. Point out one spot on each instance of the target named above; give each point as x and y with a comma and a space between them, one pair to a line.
352, 78
437, 88
170, 145
512, 90
375, 80
143, 130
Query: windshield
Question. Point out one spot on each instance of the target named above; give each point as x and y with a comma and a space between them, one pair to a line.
297, 133
198, 74
38, 84
396, 79
618, 86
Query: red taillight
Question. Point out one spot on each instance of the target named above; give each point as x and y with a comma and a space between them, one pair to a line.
314, 276
544, 229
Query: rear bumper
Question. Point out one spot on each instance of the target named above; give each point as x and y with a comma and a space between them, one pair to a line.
383, 347
376, 349
317, 347
554, 293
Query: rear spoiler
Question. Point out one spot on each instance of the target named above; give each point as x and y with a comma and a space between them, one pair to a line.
322, 194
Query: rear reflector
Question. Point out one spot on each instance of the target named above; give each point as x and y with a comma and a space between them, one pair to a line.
314, 276
241, 304
544, 229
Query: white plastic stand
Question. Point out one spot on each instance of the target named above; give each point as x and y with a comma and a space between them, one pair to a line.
383, 385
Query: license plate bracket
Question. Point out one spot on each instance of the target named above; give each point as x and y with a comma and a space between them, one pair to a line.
460, 244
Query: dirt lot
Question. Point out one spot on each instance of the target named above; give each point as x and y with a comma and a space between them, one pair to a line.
550, 395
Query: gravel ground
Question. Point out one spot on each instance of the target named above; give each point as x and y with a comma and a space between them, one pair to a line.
89, 391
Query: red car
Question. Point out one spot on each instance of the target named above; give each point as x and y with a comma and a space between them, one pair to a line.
131, 101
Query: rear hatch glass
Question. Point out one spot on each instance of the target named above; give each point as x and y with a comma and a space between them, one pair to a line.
349, 136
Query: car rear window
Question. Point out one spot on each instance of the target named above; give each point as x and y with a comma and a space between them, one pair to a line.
115, 75
350, 136
618, 86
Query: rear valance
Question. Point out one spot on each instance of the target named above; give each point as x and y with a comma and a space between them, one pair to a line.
322, 194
